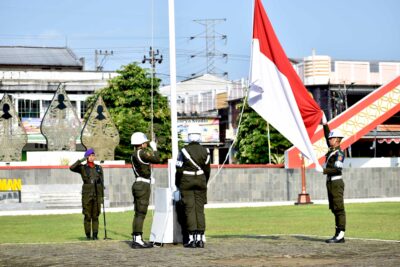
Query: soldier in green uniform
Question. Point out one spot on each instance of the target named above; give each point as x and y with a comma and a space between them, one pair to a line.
192, 174
92, 192
334, 181
141, 159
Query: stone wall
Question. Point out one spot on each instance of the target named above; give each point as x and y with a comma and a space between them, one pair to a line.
233, 183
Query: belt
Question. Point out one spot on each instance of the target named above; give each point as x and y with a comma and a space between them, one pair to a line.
333, 178
193, 173
140, 179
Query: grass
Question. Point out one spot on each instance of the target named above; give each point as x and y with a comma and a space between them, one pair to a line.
372, 220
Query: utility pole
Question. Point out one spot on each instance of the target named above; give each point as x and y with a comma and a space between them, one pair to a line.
153, 60
210, 35
98, 53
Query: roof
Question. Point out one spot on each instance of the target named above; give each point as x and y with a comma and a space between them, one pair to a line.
195, 85
38, 56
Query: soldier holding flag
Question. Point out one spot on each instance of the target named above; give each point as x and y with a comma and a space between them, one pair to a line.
334, 181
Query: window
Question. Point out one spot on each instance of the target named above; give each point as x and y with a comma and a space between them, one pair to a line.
45, 106
83, 109
374, 67
28, 108
332, 66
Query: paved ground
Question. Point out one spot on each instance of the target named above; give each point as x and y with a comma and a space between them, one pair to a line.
219, 251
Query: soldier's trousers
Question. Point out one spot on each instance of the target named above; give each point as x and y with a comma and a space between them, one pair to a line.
194, 201
141, 198
336, 203
91, 207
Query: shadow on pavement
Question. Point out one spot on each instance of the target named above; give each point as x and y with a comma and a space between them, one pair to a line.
308, 238
247, 237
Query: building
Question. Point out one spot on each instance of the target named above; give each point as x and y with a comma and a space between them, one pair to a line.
31, 75
336, 85
204, 100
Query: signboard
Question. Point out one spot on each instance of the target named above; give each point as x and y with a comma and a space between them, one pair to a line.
210, 129
31, 125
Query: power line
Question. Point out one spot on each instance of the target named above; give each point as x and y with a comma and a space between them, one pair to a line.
210, 35
105, 54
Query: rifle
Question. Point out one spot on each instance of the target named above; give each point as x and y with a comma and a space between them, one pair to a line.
104, 213
104, 209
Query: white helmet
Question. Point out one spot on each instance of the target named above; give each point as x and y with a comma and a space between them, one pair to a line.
194, 133
138, 138
336, 133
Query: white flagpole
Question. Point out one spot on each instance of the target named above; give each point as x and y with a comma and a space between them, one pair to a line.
172, 71
165, 227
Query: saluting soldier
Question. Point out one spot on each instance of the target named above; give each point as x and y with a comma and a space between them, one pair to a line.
92, 191
192, 174
141, 158
334, 182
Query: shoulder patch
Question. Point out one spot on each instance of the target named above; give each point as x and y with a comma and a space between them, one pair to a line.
340, 156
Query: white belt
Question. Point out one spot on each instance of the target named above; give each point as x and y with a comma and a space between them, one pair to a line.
193, 173
333, 178
140, 179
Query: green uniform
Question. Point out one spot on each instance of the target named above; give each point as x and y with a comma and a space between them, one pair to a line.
141, 160
192, 174
92, 194
334, 183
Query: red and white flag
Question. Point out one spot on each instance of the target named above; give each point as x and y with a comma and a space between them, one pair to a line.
276, 91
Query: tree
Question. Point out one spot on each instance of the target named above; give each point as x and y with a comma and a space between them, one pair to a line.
252, 144
128, 99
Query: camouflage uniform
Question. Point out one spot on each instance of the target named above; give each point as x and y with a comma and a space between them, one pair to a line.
92, 195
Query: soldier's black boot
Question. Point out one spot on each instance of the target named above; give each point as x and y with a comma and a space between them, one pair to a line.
192, 241
337, 238
138, 242
95, 236
88, 236
334, 236
199, 240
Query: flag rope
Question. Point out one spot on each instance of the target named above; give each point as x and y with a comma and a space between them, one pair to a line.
220, 167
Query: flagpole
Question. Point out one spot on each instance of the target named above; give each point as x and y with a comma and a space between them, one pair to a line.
165, 227
172, 70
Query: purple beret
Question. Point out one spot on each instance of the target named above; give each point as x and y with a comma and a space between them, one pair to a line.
89, 152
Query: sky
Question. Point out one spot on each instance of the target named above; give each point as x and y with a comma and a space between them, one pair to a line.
342, 29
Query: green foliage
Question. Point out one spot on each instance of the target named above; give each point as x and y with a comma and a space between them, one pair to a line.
128, 99
277, 158
252, 144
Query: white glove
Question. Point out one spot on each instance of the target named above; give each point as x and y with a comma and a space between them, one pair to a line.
176, 195
319, 168
153, 145
324, 120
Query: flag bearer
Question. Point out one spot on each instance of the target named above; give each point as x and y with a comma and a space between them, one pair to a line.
141, 159
192, 174
334, 181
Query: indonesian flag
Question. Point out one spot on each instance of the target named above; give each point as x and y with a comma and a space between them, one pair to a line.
276, 91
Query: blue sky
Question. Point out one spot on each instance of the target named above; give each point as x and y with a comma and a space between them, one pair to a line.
342, 29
